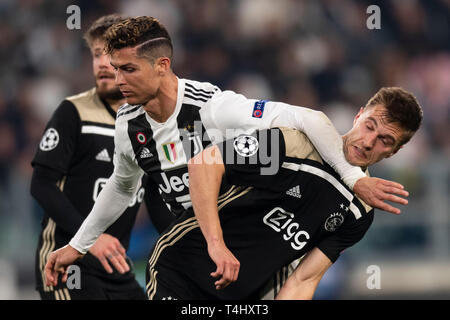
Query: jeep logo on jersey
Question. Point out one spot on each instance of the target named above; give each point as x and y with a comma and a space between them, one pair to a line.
100, 183
141, 138
246, 146
170, 152
174, 183
281, 221
50, 140
334, 221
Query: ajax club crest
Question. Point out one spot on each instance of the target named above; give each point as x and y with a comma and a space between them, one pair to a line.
334, 221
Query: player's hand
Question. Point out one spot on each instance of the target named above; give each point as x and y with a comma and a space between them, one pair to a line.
375, 192
58, 262
108, 248
227, 265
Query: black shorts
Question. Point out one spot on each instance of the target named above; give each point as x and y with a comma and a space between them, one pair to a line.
95, 288
180, 287
167, 258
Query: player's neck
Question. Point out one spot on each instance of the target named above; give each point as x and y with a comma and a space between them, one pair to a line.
162, 106
115, 104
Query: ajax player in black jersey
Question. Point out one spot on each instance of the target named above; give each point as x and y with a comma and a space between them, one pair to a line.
72, 164
167, 120
267, 220
250, 221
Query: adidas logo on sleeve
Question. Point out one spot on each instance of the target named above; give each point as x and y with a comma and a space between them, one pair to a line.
103, 156
294, 192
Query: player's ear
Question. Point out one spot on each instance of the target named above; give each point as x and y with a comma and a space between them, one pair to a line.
162, 65
361, 110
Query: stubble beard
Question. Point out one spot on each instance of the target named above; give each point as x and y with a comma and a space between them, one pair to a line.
113, 94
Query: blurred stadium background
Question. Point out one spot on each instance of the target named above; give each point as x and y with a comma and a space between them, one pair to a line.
311, 53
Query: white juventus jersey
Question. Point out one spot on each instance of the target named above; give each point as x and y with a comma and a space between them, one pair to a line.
162, 150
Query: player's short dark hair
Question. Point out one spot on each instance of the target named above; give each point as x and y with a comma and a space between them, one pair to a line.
402, 108
98, 28
146, 32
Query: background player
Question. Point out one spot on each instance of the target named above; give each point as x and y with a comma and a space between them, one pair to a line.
254, 223
168, 120
72, 163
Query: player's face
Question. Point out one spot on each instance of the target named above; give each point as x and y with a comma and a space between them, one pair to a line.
104, 72
371, 139
136, 77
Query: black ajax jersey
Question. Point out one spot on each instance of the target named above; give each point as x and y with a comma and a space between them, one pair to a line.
268, 219
79, 143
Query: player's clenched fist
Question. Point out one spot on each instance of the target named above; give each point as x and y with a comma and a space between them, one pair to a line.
58, 261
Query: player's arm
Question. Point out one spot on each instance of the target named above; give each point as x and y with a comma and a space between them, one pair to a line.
302, 283
110, 204
59, 208
50, 164
228, 110
44, 188
206, 170
158, 212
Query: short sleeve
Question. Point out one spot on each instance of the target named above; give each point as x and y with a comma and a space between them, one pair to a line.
59, 140
346, 236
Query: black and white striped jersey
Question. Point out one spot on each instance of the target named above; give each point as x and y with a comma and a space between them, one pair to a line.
162, 150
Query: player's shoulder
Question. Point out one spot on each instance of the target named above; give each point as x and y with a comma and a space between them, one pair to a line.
88, 99
200, 87
198, 93
127, 112
227, 99
66, 107
299, 146
65, 112
90, 107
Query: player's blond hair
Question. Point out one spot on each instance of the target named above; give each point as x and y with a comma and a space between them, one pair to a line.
98, 28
